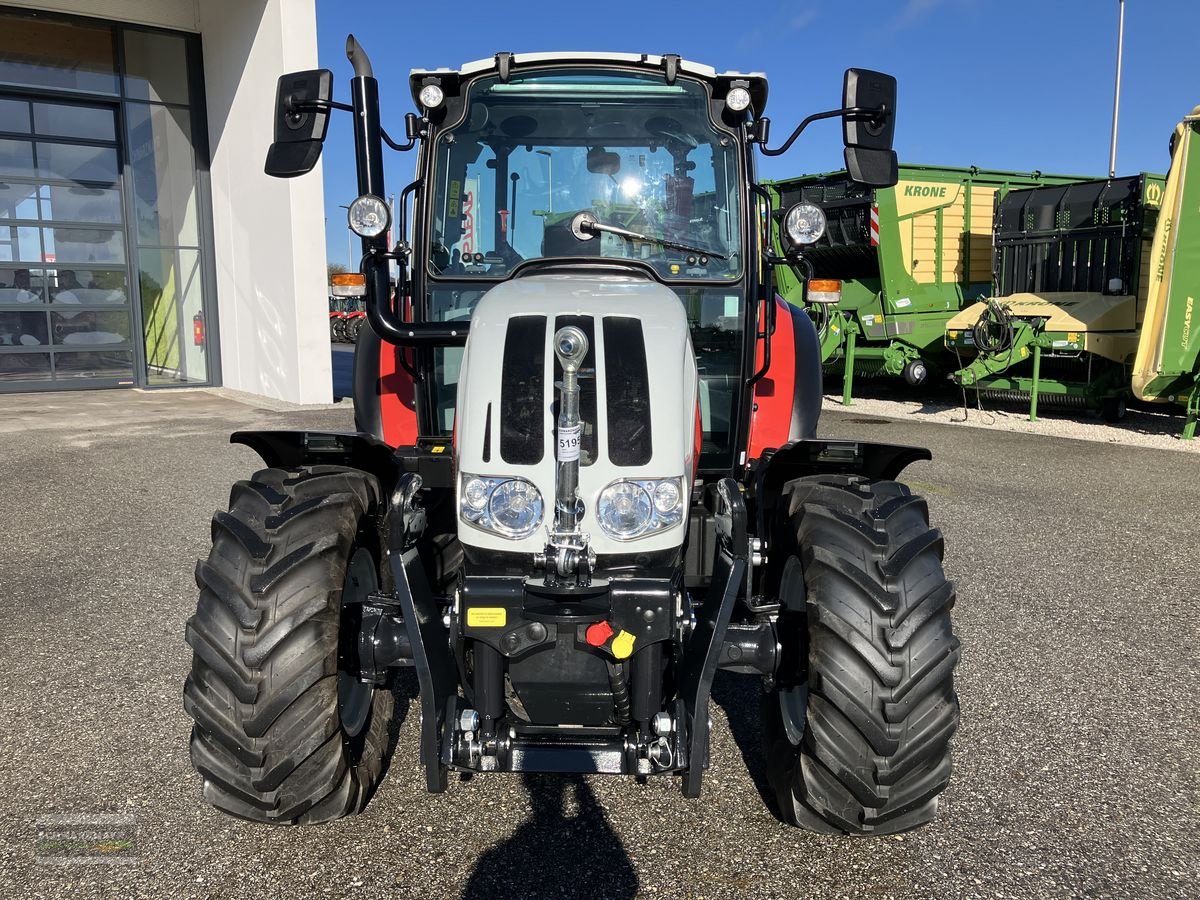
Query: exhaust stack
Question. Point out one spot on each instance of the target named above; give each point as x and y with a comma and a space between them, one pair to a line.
570, 346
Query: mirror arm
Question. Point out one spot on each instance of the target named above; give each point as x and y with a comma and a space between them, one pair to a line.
299, 106
387, 139
872, 113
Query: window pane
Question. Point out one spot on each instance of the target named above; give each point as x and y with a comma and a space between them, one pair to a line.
17, 201
164, 175
16, 158
75, 203
19, 243
14, 115
102, 364
171, 297
76, 163
87, 327
84, 245
155, 67
91, 122
23, 329
63, 55
106, 286
20, 285
24, 366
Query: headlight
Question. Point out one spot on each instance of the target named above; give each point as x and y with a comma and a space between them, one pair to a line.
634, 509
369, 216
510, 507
804, 223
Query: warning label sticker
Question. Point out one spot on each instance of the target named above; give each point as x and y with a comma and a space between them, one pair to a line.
487, 617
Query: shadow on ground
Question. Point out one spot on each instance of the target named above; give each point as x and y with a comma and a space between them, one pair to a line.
566, 829
741, 698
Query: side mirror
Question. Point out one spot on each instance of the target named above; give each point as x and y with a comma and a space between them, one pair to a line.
865, 89
870, 159
873, 168
300, 124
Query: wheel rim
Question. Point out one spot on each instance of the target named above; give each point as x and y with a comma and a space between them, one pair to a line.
354, 697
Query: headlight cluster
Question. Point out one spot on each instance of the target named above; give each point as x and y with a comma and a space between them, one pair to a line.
634, 509
510, 507
804, 223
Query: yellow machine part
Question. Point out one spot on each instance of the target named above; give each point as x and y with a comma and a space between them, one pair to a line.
1149, 361
925, 206
1106, 325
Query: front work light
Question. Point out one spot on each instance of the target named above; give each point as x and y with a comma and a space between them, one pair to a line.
369, 216
431, 96
738, 99
804, 223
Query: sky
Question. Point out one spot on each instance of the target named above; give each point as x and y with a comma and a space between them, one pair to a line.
1020, 85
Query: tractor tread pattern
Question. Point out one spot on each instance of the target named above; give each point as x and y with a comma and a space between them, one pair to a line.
880, 701
263, 688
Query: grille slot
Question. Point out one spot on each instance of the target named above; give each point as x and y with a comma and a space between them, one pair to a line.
523, 392
628, 392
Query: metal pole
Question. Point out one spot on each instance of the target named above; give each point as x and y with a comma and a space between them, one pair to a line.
1112, 149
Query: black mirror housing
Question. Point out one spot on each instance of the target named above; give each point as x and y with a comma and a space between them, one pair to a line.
300, 125
864, 89
874, 168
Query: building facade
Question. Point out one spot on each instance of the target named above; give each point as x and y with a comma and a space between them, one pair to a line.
141, 244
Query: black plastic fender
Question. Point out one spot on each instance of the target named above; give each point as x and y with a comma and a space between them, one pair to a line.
287, 449
815, 456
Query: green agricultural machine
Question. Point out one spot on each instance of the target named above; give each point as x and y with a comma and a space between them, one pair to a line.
1072, 279
908, 258
1167, 366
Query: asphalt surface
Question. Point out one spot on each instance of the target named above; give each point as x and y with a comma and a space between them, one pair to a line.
1077, 763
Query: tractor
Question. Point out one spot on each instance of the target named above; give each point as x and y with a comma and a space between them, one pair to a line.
585, 474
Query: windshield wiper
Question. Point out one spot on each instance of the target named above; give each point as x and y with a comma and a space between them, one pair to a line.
585, 226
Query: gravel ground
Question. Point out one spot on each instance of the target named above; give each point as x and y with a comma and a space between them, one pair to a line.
1146, 426
1077, 764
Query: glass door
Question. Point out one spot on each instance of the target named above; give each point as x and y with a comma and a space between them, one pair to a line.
65, 310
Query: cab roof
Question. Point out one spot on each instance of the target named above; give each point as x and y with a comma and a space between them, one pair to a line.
668, 64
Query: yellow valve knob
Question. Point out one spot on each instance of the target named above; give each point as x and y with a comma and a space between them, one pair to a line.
622, 645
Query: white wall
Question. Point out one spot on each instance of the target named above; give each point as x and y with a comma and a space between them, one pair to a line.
268, 232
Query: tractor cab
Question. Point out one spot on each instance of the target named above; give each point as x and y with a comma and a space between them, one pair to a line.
602, 165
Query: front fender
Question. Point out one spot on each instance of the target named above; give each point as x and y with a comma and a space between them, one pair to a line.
815, 456
288, 449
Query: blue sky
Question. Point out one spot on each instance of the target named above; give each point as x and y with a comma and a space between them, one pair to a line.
1003, 84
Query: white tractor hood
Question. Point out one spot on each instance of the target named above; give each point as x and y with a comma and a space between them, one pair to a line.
482, 404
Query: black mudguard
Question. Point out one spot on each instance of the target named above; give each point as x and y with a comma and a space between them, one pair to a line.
814, 456
287, 449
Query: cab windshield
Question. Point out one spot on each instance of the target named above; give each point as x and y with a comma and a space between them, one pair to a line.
631, 151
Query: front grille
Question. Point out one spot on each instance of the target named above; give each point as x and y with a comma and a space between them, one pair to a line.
628, 392
522, 392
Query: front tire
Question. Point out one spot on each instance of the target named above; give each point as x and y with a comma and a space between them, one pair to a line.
857, 730
284, 731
